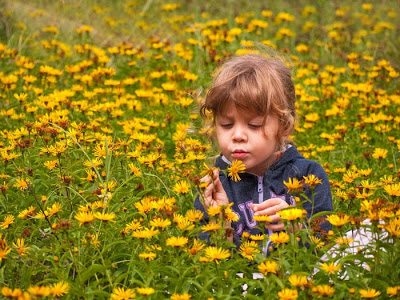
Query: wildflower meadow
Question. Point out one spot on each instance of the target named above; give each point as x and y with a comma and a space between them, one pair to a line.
103, 147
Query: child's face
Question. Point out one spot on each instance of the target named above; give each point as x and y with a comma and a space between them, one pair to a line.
241, 135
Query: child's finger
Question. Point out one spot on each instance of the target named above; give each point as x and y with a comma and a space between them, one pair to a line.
267, 203
275, 227
216, 174
270, 210
275, 219
217, 184
269, 207
206, 179
209, 189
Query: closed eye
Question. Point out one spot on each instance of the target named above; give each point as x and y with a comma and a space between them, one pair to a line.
226, 125
255, 126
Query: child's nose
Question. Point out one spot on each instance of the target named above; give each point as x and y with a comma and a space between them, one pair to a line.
239, 134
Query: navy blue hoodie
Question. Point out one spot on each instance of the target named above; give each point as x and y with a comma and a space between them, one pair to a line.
256, 189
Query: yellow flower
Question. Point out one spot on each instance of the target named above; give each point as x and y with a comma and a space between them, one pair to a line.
312, 180
216, 254
145, 233
184, 296
83, 29
59, 289
330, 268
257, 237
160, 223
338, 220
392, 290
350, 176
214, 210
15, 293
279, 238
54, 209
343, 240
177, 241
324, 290
51, 164
372, 293
21, 248
292, 214
169, 86
135, 170
230, 215
134, 225
288, 294
21, 97
268, 266
197, 247
393, 227
145, 291
8, 220
392, 189
4, 248
26, 213
84, 217
208, 170
298, 280
148, 255
248, 249
22, 184
122, 294
317, 241
210, 227
105, 217
236, 168
263, 218
170, 6
293, 185
181, 187
380, 153
39, 291
194, 215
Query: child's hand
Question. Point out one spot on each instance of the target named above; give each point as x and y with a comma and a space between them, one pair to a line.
214, 193
270, 208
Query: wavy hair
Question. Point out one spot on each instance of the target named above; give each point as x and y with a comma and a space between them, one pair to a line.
256, 83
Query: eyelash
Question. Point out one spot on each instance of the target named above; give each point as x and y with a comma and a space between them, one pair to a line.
255, 126
229, 125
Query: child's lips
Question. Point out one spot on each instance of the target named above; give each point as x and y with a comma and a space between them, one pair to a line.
239, 154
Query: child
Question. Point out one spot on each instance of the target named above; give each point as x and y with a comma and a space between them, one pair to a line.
252, 102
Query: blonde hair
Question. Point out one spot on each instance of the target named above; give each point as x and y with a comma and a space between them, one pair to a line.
256, 83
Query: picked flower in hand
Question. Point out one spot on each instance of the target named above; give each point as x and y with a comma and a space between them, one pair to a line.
236, 168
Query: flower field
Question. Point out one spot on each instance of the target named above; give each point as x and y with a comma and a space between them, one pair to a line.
102, 148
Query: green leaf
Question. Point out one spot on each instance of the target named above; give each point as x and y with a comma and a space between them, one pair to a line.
84, 276
320, 214
120, 278
108, 246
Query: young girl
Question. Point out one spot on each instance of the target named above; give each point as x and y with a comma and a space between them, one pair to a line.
252, 102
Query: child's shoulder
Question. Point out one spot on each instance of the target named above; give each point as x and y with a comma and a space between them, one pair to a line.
304, 165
